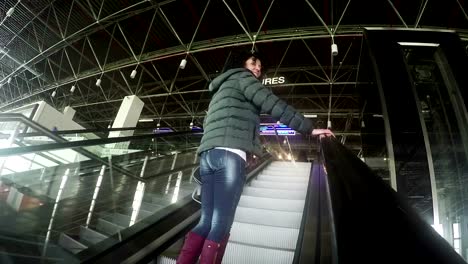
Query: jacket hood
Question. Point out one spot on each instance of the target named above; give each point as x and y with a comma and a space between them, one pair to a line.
216, 83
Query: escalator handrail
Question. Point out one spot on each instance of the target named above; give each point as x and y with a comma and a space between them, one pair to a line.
28, 122
371, 220
87, 131
85, 143
64, 144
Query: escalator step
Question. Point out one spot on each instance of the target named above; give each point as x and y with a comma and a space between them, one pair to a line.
278, 185
268, 217
128, 210
263, 177
286, 173
151, 207
164, 260
264, 236
271, 193
272, 203
118, 219
90, 237
239, 253
287, 168
289, 163
71, 244
107, 227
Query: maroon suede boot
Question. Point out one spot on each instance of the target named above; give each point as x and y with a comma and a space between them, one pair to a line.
210, 252
222, 249
191, 249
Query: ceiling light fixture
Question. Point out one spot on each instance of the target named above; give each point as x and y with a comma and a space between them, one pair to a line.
419, 44
133, 74
334, 49
10, 12
183, 63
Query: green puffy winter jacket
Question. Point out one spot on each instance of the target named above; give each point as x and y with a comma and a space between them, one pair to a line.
233, 117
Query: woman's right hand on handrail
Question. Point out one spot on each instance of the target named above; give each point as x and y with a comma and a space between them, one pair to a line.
322, 133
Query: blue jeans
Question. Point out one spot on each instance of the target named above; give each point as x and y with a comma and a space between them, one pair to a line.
223, 176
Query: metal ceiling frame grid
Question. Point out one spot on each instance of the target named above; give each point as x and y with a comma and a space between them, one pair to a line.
24, 82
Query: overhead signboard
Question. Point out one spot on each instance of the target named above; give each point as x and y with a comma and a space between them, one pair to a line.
274, 80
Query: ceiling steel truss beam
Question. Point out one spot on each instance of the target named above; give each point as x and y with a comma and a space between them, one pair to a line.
91, 28
153, 56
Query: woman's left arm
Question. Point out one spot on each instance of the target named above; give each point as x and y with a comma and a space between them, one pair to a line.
269, 103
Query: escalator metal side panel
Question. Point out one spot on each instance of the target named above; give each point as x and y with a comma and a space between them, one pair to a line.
373, 224
316, 242
150, 236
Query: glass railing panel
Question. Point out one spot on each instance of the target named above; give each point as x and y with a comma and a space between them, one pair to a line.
15, 134
8, 133
67, 198
25, 162
153, 146
79, 136
24, 133
447, 151
33, 138
71, 207
38, 160
28, 133
16, 131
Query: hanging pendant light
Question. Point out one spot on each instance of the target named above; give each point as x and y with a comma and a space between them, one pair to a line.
133, 74
10, 12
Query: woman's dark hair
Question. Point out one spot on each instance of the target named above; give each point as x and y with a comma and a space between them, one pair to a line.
237, 59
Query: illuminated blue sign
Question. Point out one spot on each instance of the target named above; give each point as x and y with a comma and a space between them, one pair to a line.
282, 130
196, 128
161, 130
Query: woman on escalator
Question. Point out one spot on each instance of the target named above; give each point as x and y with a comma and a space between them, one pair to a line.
230, 134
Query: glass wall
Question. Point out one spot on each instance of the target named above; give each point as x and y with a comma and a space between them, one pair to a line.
53, 208
448, 156
421, 78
